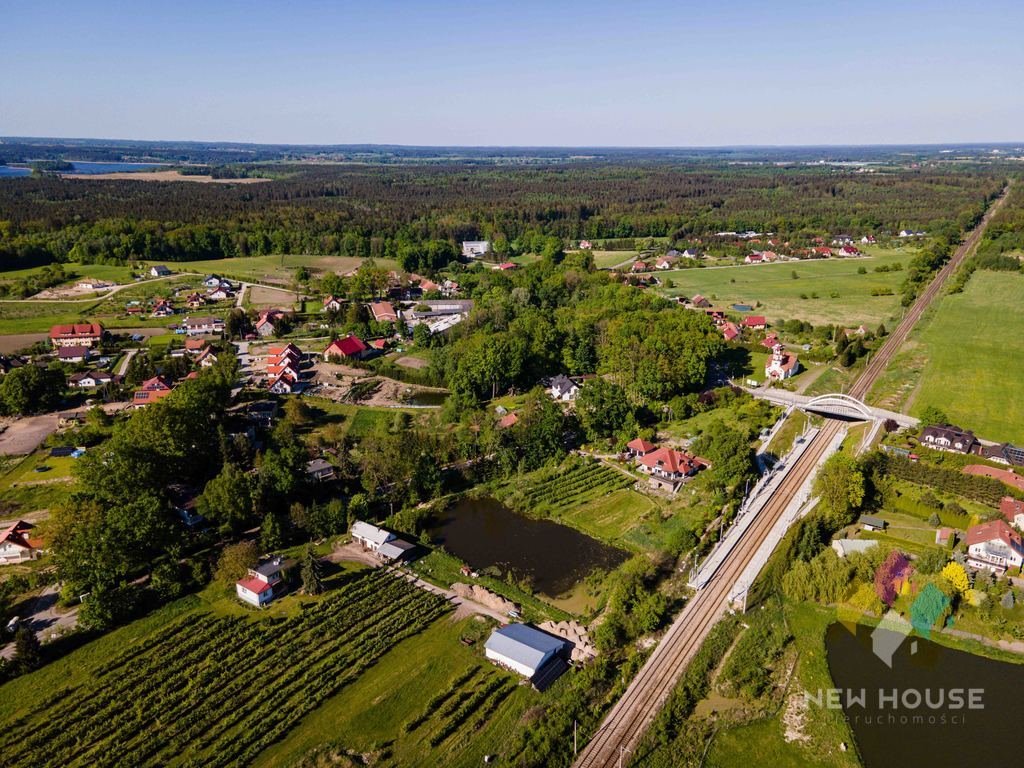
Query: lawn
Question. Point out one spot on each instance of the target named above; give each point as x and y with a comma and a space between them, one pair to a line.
608, 259
24, 490
974, 350
773, 291
610, 517
111, 273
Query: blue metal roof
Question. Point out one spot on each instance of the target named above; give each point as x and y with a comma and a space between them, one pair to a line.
523, 644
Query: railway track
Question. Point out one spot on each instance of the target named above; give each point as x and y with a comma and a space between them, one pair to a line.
632, 714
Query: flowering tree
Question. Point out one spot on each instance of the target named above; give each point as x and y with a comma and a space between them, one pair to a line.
955, 574
895, 568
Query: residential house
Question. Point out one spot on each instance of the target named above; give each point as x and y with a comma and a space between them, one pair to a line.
73, 354
508, 420
639, 447
332, 304
872, 523
206, 358
849, 251
946, 437
770, 341
534, 654
842, 240
196, 326
183, 500
151, 391
868, 240
449, 288
755, 322
383, 312
162, 308
1007, 476
17, 544
666, 262
475, 249
1004, 453
319, 470
1013, 511
563, 388
266, 323
911, 233
195, 300
668, 468
782, 364
370, 537
994, 546
349, 347
76, 335
690, 253
196, 346
159, 271
586, 245
284, 384
754, 258
89, 379
820, 252
264, 583
219, 293
639, 266
730, 331
9, 362
700, 302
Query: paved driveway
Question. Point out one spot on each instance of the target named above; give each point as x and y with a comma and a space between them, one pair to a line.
45, 620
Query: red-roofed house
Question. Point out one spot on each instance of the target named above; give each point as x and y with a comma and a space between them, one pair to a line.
195, 346
770, 340
151, 390
639, 447
700, 302
668, 467
755, 322
994, 546
17, 544
507, 266
508, 420
1007, 476
639, 266
383, 312
730, 331
1013, 511
821, 252
262, 583
284, 384
332, 304
349, 347
76, 335
754, 258
265, 322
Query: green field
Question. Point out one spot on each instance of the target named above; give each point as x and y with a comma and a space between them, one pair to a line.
772, 289
975, 357
209, 682
276, 269
608, 259
24, 490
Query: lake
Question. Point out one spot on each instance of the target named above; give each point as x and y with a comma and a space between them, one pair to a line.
7, 171
934, 707
484, 532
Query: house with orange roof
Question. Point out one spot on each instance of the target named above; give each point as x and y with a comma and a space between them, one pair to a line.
151, 391
668, 468
76, 335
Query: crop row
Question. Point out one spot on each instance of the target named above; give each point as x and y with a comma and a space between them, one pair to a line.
187, 689
439, 699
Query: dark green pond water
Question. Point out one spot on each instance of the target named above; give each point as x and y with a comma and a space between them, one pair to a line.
484, 532
934, 707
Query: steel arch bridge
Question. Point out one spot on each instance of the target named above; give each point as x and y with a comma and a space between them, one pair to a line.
837, 404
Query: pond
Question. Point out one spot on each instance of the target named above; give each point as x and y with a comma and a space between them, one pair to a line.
484, 532
934, 706
427, 397
13, 171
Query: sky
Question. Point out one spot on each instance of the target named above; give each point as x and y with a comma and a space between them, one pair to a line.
661, 73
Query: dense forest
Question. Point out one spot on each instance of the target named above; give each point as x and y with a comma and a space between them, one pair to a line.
377, 210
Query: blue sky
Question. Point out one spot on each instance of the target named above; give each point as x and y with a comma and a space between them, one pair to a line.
646, 73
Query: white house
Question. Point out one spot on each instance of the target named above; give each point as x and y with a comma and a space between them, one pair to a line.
563, 388
159, 270
522, 649
475, 249
194, 326
994, 546
260, 583
17, 545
